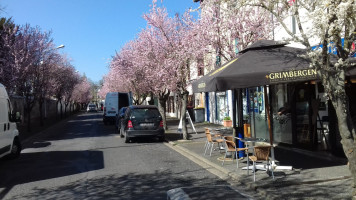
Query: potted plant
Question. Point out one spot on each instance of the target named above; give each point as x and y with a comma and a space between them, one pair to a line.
227, 121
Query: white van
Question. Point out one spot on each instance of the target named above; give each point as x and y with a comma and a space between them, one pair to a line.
9, 135
113, 102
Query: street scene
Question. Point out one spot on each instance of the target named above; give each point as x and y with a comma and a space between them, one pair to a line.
81, 158
178, 100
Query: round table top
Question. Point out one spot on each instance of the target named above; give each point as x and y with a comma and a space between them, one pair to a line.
253, 140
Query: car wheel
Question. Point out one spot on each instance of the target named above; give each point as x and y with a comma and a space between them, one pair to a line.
15, 150
161, 139
127, 139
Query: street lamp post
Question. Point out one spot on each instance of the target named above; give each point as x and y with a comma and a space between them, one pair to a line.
60, 46
45, 101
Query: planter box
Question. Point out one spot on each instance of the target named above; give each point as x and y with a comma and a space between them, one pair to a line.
199, 115
228, 123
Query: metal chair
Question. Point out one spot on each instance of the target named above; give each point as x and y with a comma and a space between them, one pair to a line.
261, 153
230, 146
210, 142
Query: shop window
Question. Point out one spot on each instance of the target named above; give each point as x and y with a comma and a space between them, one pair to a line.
190, 101
221, 106
256, 119
281, 113
200, 67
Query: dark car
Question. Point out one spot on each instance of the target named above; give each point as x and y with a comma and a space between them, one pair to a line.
119, 116
91, 108
142, 121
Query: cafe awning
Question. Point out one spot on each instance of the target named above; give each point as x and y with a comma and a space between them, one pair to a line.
265, 62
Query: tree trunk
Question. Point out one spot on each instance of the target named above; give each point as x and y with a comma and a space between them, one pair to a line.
61, 108
40, 106
65, 109
162, 101
152, 100
28, 120
347, 133
28, 109
184, 98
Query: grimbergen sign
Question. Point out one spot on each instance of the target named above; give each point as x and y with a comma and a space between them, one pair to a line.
292, 75
201, 85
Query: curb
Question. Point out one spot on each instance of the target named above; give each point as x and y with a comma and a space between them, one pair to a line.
219, 171
207, 164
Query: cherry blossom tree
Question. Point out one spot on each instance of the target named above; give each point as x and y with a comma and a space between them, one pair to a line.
8, 31
72, 79
224, 27
153, 55
45, 71
31, 67
106, 86
129, 73
160, 57
59, 83
81, 91
29, 46
175, 36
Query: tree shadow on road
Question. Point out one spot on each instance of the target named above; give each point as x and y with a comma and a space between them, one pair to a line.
130, 186
37, 166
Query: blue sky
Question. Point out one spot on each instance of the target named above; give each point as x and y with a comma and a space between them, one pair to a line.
91, 30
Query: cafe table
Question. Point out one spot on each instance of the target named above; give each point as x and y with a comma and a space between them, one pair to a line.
250, 143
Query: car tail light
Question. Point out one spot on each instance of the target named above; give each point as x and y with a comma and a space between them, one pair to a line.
129, 124
161, 124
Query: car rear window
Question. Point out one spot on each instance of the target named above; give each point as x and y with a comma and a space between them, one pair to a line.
145, 113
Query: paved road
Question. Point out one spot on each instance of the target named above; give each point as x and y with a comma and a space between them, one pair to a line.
84, 159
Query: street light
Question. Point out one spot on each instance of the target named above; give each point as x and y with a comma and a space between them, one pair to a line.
45, 102
60, 46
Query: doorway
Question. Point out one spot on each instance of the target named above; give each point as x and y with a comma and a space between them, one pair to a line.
304, 134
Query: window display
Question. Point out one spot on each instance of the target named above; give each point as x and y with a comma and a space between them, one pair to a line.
281, 113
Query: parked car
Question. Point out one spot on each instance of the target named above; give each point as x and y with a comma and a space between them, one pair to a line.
92, 108
113, 102
119, 116
142, 121
10, 144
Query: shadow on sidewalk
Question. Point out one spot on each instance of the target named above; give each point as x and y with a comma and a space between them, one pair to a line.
173, 134
301, 159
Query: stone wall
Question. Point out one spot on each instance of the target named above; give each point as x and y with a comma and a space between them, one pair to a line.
50, 109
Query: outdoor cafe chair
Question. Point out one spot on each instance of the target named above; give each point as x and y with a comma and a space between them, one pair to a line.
210, 142
207, 131
230, 146
261, 154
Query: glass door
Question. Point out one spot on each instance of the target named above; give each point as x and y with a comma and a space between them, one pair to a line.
221, 106
256, 109
304, 131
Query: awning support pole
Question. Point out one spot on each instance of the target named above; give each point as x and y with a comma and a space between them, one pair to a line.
269, 124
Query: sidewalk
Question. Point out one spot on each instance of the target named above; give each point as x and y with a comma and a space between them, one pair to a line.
314, 176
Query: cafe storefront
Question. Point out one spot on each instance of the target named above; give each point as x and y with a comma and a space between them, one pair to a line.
300, 114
